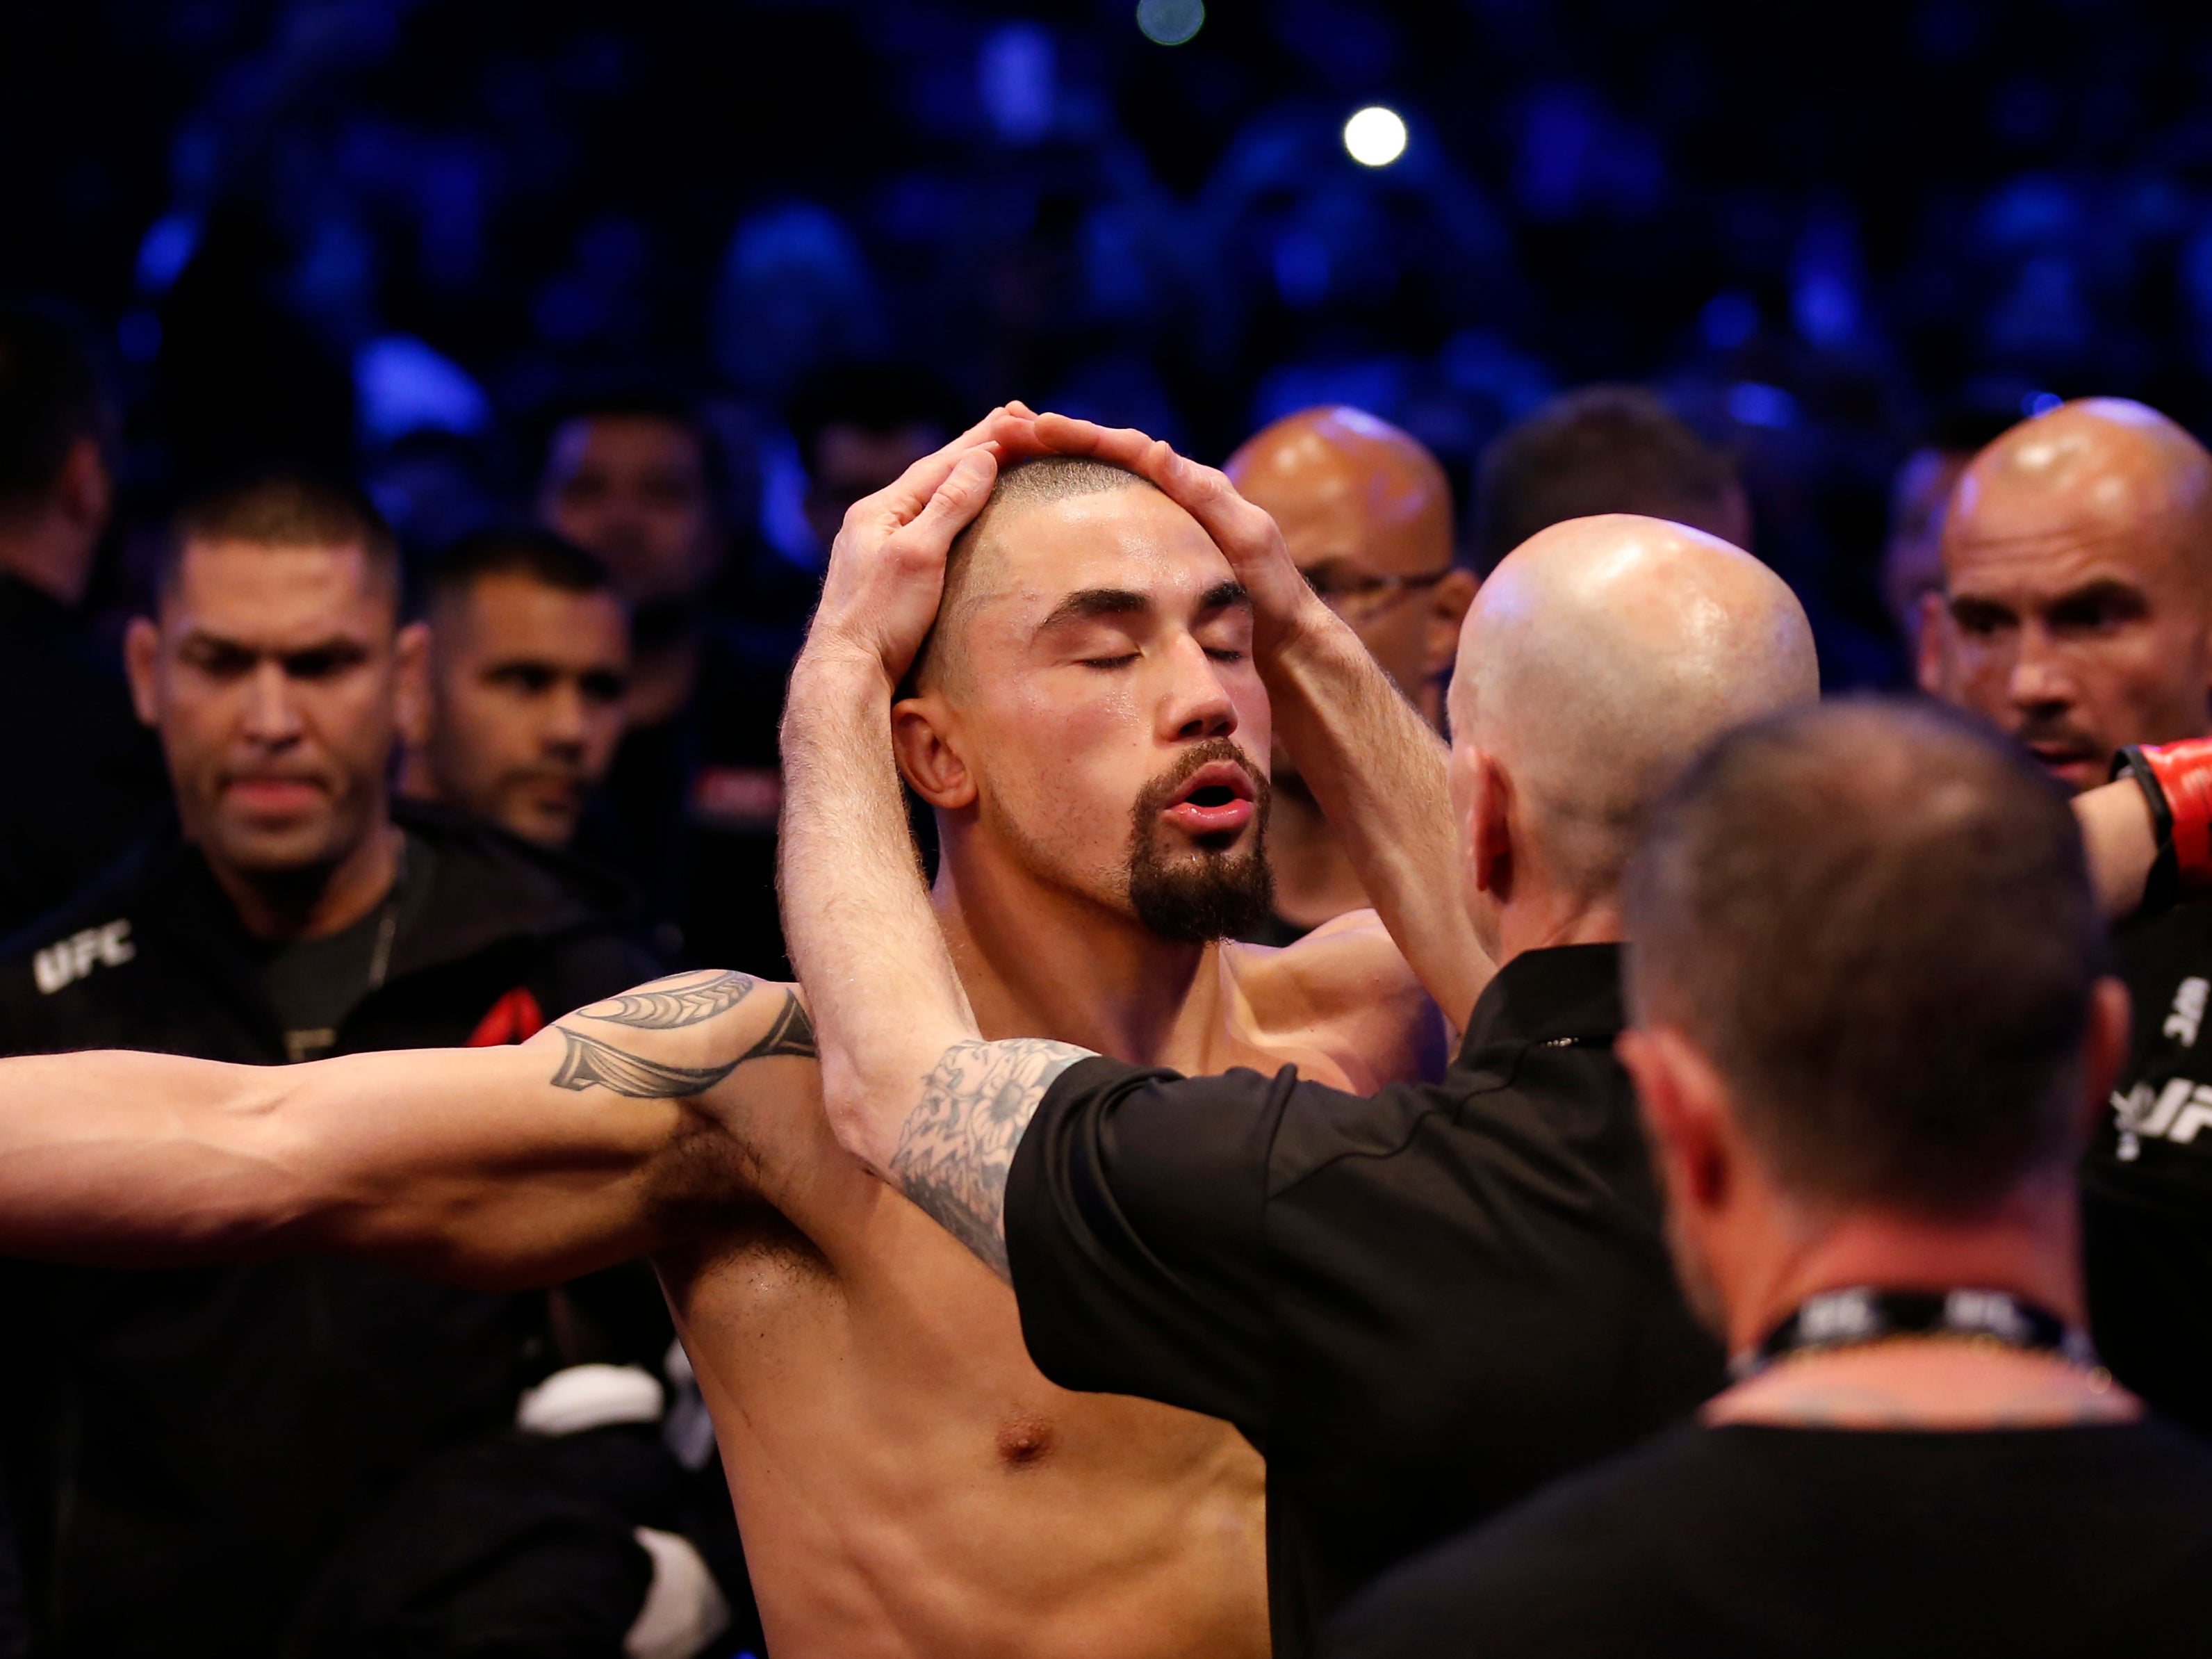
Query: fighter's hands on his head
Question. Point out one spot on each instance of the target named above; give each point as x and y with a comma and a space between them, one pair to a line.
1285, 606
887, 566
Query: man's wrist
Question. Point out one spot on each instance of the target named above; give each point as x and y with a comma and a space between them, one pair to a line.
840, 667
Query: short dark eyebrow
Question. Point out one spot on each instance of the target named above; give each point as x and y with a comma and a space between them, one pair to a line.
1087, 603
1222, 595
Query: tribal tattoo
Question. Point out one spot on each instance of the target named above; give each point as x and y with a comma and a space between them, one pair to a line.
959, 1144
589, 1061
683, 1000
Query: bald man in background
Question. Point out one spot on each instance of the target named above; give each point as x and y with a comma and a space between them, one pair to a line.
1422, 1304
1366, 512
2077, 616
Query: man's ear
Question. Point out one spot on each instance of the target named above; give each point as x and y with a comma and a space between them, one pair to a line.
141, 650
1932, 670
85, 489
1681, 1097
926, 756
414, 697
1448, 605
1488, 827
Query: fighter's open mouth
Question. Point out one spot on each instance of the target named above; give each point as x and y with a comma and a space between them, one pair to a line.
1217, 783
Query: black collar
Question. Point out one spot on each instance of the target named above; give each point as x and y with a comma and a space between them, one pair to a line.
1567, 993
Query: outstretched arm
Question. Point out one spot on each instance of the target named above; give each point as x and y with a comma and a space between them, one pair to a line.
500, 1167
1377, 768
910, 1087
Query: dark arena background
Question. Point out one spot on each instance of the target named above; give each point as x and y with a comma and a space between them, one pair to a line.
393, 233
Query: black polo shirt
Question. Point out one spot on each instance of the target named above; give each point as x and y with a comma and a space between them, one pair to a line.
1420, 1305
2147, 1182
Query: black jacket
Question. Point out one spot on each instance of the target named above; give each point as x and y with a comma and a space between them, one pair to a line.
183, 1449
83, 776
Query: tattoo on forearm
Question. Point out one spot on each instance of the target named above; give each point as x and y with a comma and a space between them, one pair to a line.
959, 1144
592, 1062
683, 1000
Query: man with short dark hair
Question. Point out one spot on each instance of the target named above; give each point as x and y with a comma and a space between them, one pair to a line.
1603, 449
183, 1449
1869, 1032
522, 704
83, 776
691, 798
858, 426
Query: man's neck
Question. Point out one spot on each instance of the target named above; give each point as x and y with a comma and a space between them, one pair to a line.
283, 907
1315, 879
1529, 928
1040, 961
2027, 1247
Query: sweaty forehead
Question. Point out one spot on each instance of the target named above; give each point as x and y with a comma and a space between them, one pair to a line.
1036, 553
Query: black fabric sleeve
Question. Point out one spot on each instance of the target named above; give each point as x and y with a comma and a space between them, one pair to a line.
1136, 1221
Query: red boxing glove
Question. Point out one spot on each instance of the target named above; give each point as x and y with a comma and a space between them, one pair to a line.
2177, 780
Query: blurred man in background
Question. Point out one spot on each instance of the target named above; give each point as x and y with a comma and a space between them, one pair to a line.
2077, 559
521, 709
858, 427
183, 1449
1871, 1196
85, 776
1603, 449
1912, 557
692, 797
1367, 514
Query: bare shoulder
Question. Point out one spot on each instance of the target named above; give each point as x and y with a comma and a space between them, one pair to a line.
737, 1051
1347, 991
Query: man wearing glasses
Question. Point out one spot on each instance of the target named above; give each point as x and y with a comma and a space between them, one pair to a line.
1367, 514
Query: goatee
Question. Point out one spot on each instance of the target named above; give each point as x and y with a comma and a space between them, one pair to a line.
1208, 893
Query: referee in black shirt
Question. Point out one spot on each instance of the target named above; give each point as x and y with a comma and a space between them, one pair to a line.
1419, 1306
1870, 1036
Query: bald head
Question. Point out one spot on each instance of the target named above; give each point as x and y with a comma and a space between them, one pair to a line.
1601, 656
2077, 565
2098, 469
1366, 512
1341, 482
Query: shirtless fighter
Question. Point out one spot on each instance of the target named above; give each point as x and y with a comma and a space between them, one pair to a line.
1093, 738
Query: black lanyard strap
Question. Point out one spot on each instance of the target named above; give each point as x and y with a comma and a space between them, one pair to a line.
1853, 1317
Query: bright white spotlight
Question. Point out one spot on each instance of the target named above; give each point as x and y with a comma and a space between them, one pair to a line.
1170, 22
1375, 137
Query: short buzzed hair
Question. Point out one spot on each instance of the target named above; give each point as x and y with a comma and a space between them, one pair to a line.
1877, 922
543, 556
1602, 449
1038, 478
284, 508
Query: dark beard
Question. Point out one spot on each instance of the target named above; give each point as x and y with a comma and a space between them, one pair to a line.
1211, 895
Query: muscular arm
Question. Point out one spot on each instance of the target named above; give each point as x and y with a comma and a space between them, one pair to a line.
498, 1167
910, 1087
